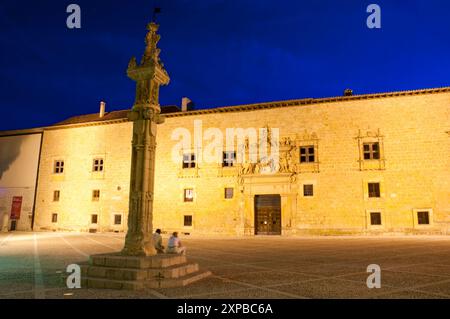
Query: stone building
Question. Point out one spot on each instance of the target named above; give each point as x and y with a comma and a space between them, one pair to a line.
355, 164
19, 160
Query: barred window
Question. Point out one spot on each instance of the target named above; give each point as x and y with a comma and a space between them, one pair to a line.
188, 195
187, 220
58, 167
56, 196
189, 160
308, 190
374, 189
371, 151
97, 165
54, 218
96, 195
423, 218
375, 218
229, 158
307, 154
94, 219
117, 219
229, 192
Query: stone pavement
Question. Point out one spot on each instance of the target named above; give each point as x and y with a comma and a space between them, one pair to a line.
31, 266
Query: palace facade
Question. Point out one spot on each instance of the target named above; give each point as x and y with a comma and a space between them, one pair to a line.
355, 164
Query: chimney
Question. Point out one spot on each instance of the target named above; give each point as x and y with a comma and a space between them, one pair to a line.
102, 109
348, 92
186, 104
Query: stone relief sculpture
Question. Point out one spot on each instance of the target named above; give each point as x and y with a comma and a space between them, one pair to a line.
248, 168
132, 64
287, 153
288, 156
285, 162
267, 165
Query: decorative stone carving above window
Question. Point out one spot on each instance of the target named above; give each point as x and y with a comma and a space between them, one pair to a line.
289, 157
299, 153
252, 163
307, 152
371, 150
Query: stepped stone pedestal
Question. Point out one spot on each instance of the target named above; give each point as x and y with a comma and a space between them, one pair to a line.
115, 271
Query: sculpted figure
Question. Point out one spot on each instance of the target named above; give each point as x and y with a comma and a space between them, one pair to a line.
284, 162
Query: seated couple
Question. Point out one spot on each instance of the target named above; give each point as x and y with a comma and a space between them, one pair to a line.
174, 245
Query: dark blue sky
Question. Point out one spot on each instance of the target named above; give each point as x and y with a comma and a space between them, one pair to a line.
217, 52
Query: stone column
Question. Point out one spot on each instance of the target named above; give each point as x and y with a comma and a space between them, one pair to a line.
145, 114
137, 266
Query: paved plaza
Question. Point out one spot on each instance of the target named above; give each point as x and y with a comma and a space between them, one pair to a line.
32, 265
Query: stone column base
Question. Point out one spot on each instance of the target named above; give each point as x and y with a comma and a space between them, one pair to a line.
115, 271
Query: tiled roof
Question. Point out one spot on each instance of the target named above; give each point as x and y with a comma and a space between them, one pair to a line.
174, 111
109, 116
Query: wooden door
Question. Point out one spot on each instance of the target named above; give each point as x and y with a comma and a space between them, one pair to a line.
268, 215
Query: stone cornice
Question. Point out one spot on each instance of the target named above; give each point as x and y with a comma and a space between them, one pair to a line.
64, 126
308, 101
59, 127
243, 108
22, 132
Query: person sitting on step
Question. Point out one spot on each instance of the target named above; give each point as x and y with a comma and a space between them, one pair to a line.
174, 245
157, 241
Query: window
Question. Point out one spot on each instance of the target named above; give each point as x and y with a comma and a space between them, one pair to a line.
371, 151
423, 218
308, 190
54, 218
375, 218
58, 167
188, 195
56, 196
187, 220
189, 160
96, 195
229, 192
94, 219
117, 219
374, 189
228, 159
97, 165
307, 154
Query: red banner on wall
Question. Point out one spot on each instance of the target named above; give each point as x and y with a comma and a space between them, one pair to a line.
16, 207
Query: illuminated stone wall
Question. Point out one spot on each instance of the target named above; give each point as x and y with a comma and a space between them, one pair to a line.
414, 173
19, 156
78, 147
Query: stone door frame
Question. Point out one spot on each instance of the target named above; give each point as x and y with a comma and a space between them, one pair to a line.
270, 184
